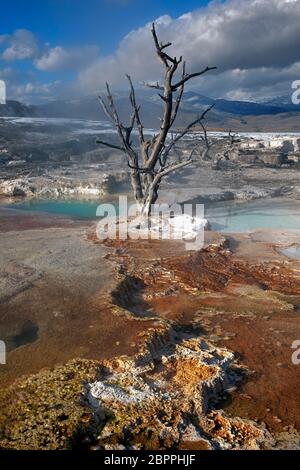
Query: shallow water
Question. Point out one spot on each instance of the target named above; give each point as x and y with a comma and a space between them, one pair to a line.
233, 216
291, 252
71, 208
28, 334
227, 216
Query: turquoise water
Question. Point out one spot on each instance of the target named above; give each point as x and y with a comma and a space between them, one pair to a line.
291, 252
232, 216
72, 208
229, 216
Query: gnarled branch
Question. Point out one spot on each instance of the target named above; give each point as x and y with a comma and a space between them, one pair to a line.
191, 75
150, 164
108, 144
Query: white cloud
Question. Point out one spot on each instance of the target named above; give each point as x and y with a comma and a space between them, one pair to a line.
22, 45
23, 86
253, 43
29, 92
60, 58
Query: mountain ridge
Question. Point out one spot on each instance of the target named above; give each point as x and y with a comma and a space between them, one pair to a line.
233, 114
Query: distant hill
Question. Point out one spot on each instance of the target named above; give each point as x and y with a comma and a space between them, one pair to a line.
278, 114
284, 101
237, 113
15, 108
237, 108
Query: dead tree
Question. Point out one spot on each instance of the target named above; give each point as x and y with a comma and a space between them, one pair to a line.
207, 143
229, 145
150, 163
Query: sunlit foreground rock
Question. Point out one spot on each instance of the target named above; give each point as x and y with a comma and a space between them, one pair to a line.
160, 399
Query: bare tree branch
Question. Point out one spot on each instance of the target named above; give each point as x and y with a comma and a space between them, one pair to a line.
191, 75
159, 48
164, 46
177, 166
179, 97
136, 110
181, 134
208, 143
108, 144
149, 163
156, 85
105, 109
168, 170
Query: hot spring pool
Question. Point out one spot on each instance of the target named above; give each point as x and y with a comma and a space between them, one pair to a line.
233, 216
84, 209
228, 216
291, 252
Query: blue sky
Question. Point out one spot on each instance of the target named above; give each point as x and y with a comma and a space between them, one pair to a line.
55, 49
73, 22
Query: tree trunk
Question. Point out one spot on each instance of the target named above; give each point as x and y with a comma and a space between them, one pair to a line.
149, 162
136, 185
145, 204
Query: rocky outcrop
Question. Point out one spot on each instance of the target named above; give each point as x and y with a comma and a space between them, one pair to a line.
46, 411
271, 150
165, 396
61, 186
246, 193
160, 399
